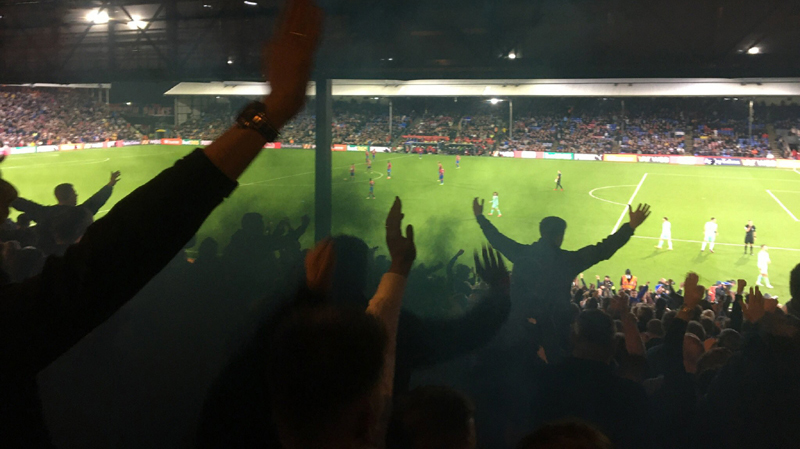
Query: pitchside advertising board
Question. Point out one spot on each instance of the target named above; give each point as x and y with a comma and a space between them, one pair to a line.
644, 158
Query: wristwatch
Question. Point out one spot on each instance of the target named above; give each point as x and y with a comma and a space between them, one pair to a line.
254, 116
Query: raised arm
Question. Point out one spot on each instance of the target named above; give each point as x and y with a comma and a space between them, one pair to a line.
591, 255
431, 341
507, 247
96, 201
121, 252
37, 212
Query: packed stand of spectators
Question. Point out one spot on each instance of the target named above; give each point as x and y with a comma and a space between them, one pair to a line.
52, 116
206, 125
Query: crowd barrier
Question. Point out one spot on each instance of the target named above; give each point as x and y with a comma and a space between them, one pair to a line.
614, 157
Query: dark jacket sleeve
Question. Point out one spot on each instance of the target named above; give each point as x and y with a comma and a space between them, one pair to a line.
36, 211
507, 247
44, 316
424, 342
98, 199
593, 254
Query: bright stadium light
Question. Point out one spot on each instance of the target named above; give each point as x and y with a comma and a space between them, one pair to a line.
136, 22
512, 55
250, 3
495, 100
753, 51
97, 17
128, 103
230, 61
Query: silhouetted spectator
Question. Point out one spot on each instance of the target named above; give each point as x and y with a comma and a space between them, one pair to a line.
56, 225
584, 387
543, 274
566, 435
432, 417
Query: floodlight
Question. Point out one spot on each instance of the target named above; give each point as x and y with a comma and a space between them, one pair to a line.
136, 22
753, 51
250, 3
97, 17
495, 100
512, 55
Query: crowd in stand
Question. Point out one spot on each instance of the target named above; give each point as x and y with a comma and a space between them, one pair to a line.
30, 116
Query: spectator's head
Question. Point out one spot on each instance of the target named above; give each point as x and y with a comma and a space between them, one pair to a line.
7, 195
709, 327
794, 283
566, 435
667, 319
693, 349
253, 223
695, 328
594, 336
325, 367
708, 313
24, 221
552, 230
431, 418
66, 195
70, 224
655, 328
339, 268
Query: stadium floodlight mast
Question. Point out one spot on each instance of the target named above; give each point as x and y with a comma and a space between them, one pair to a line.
97, 16
495, 101
753, 50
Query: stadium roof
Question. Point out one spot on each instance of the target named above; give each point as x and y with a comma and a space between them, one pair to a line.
192, 40
700, 87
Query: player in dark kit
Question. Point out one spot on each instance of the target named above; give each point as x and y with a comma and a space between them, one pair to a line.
353, 171
371, 189
558, 182
749, 236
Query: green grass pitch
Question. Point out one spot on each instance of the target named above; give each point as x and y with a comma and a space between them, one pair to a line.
280, 183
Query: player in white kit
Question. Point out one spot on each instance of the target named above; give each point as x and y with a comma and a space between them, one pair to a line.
710, 231
666, 234
763, 267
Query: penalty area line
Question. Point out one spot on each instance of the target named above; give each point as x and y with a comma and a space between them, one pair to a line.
781, 204
717, 243
630, 201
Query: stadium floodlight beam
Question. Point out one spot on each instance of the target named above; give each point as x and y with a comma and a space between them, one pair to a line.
136, 22
97, 17
753, 51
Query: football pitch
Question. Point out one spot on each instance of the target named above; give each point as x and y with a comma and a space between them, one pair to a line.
281, 184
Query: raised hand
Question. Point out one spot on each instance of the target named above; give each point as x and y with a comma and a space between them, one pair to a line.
754, 309
693, 293
493, 270
114, 178
401, 249
287, 59
638, 216
477, 208
619, 305
740, 285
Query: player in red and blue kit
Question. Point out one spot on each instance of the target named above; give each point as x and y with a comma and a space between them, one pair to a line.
369, 164
389, 170
353, 171
371, 189
458, 161
441, 176
373, 155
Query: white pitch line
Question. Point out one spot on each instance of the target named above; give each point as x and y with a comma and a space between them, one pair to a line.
630, 201
684, 175
716, 243
591, 194
786, 191
784, 207
97, 161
